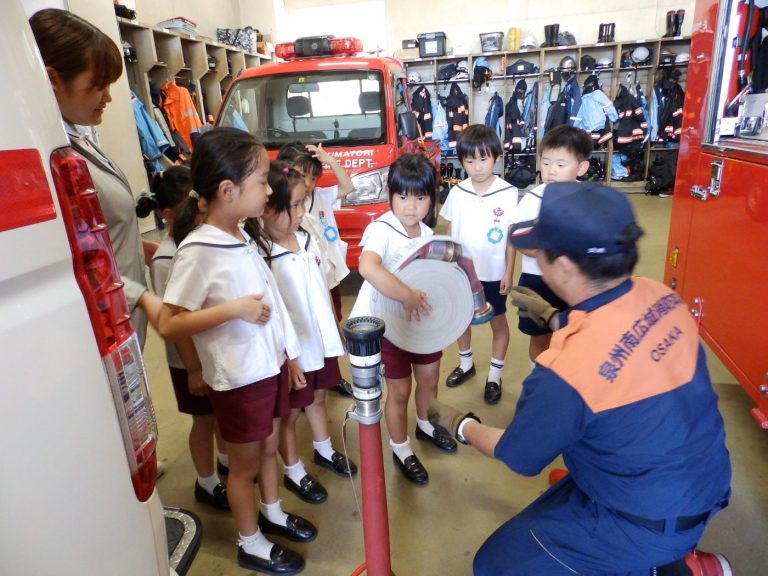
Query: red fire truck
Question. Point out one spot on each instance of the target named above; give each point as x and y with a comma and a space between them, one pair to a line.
357, 107
718, 242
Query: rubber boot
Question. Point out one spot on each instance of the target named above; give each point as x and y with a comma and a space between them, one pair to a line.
555, 32
670, 24
610, 30
678, 21
545, 44
601, 34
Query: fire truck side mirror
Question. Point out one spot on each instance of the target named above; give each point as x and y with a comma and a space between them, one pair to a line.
408, 126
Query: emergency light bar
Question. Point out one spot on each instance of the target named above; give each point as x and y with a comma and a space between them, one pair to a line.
314, 46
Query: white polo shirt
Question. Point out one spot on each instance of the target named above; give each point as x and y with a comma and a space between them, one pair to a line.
302, 286
528, 209
387, 237
481, 223
211, 267
159, 271
320, 221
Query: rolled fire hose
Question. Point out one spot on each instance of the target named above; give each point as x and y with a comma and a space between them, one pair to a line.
436, 267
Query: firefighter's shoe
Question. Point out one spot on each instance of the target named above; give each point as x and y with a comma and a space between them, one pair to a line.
458, 376
707, 564
492, 393
217, 499
282, 561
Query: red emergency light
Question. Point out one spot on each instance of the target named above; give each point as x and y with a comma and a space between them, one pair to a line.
314, 46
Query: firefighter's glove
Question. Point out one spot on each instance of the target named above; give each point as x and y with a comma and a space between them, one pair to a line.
530, 305
447, 417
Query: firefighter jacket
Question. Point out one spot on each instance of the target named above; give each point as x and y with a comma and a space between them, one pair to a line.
596, 109
670, 116
513, 125
182, 116
630, 130
457, 113
494, 114
421, 104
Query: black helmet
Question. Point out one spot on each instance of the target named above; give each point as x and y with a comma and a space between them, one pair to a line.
588, 62
591, 83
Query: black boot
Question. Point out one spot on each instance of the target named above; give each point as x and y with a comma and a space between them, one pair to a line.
555, 31
670, 24
610, 30
545, 44
678, 21
601, 34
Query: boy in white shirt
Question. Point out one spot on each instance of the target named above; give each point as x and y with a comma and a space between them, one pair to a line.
480, 210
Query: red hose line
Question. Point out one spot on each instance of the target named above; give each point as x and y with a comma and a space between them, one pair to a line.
375, 516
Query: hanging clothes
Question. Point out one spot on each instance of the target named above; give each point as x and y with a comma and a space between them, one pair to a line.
457, 112
596, 111
151, 138
421, 104
440, 124
181, 112
514, 125
629, 132
494, 114
530, 107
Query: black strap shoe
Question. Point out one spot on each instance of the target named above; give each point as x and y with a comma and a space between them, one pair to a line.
218, 499
338, 463
492, 393
458, 376
282, 561
440, 438
296, 528
309, 489
412, 469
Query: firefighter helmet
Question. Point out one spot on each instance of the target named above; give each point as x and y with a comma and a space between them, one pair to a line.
414, 78
567, 64
640, 55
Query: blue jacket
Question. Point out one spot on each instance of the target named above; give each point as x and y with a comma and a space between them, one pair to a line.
595, 107
151, 137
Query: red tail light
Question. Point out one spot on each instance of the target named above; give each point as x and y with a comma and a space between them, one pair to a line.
99, 280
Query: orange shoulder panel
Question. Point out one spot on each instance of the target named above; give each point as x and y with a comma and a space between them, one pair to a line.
640, 345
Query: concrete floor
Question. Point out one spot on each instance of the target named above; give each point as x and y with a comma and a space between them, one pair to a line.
436, 530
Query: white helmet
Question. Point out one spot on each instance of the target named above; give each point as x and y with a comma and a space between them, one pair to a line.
528, 41
640, 55
682, 58
604, 62
462, 66
414, 78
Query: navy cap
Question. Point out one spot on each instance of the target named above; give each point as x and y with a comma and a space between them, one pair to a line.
577, 218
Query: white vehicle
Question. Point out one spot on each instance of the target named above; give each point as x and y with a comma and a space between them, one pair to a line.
78, 431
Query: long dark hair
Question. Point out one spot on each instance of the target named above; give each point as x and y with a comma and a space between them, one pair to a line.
282, 179
221, 154
168, 189
71, 45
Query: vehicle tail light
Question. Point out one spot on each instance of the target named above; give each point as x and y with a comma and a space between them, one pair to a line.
313, 46
99, 280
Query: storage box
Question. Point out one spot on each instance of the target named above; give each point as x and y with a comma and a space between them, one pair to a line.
491, 41
431, 44
410, 43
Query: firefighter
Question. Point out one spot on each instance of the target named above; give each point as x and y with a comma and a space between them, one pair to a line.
623, 393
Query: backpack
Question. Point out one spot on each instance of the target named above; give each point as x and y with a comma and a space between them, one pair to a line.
521, 171
661, 174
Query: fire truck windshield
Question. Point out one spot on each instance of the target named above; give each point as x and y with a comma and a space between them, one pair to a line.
338, 108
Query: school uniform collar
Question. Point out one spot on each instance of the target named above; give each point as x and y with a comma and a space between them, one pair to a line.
208, 235
302, 237
391, 220
498, 185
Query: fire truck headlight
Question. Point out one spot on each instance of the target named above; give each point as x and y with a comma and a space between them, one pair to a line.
369, 188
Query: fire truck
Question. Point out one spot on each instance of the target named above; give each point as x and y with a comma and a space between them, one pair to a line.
357, 107
718, 242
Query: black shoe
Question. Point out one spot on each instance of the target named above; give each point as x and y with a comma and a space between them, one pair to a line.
282, 560
221, 469
458, 376
440, 438
218, 499
412, 469
309, 489
338, 463
297, 528
492, 393
344, 388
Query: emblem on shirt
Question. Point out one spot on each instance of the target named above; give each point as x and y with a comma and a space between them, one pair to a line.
498, 212
496, 234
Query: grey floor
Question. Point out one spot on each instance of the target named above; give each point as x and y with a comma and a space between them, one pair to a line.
435, 530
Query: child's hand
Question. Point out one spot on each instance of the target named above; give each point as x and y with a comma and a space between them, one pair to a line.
415, 305
319, 153
296, 376
252, 309
506, 284
196, 384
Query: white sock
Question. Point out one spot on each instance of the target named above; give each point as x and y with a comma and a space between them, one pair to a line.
295, 472
425, 426
224, 459
466, 361
402, 451
324, 448
494, 372
256, 544
209, 483
274, 513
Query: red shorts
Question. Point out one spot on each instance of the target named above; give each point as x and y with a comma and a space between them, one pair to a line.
397, 362
188, 403
326, 377
245, 413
